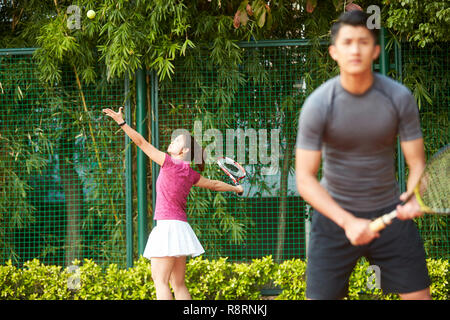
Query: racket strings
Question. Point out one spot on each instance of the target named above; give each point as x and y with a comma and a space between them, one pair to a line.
232, 168
434, 185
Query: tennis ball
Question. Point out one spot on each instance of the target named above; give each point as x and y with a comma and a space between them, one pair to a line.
91, 14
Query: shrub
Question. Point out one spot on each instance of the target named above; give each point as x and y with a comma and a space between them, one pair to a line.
205, 279
219, 279
35, 281
290, 276
115, 284
439, 272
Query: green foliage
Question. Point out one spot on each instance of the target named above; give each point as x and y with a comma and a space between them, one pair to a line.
439, 271
114, 283
290, 276
424, 73
40, 282
24, 148
34, 282
219, 279
248, 278
421, 22
126, 35
205, 279
359, 281
46, 133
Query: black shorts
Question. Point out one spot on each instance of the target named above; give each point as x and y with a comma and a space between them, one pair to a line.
398, 252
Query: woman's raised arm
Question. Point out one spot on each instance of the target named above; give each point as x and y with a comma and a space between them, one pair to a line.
153, 153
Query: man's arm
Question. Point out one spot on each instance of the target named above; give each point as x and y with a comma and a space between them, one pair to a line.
307, 163
414, 153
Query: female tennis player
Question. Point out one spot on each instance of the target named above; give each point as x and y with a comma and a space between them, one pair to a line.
172, 240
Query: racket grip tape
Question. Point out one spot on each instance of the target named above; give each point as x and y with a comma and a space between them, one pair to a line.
381, 222
239, 193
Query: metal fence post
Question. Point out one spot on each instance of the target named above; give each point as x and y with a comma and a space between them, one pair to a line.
155, 133
141, 127
128, 179
400, 158
384, 69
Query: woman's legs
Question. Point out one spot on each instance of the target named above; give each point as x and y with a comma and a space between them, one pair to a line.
161, 270
177, 279
173, 269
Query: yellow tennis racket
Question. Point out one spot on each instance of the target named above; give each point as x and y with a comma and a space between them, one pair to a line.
432, 192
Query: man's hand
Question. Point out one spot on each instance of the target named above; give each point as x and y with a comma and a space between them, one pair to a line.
358, 232
410, 209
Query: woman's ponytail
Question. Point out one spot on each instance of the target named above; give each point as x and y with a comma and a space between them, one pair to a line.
196, 153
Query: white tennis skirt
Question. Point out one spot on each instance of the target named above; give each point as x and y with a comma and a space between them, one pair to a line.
172, 238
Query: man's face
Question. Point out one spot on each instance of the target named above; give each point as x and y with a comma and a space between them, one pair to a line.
354, 49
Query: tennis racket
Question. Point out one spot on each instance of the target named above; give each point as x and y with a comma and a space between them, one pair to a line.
232, 169
432, 191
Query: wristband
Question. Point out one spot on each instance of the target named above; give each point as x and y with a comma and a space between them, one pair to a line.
121, 124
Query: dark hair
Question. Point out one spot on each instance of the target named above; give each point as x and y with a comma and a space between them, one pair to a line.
195, 153
353, 18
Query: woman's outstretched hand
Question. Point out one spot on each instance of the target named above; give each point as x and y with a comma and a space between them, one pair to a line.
117, 116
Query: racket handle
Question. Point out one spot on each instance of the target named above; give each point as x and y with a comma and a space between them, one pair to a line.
239, 193
381, 222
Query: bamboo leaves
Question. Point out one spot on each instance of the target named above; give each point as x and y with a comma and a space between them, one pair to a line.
422, 22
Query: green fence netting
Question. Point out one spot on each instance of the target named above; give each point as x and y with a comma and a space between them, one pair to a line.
61, 167
426, 72
62, 188
249, 112
264, 93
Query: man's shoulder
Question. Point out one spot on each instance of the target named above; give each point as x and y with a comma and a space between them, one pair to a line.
324, 93
327, 86
391, 88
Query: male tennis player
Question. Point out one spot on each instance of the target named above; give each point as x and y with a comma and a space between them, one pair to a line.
352, 121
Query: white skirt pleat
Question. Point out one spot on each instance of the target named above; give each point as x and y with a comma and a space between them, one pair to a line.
172, 238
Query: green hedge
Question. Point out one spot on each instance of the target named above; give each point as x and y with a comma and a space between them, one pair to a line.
206, 280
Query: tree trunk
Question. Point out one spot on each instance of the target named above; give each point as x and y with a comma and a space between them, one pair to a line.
283, 210
73, 198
